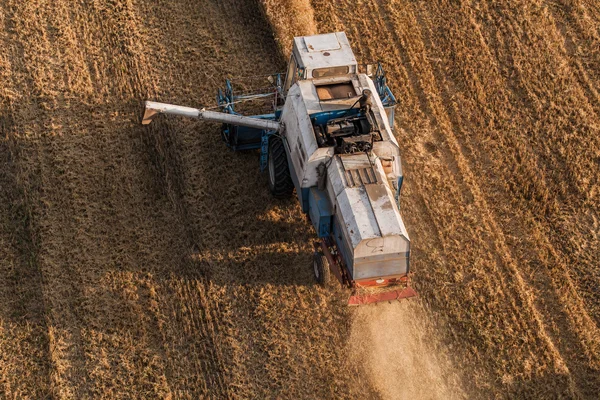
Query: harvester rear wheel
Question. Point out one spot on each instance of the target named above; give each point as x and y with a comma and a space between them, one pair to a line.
280, 180
321, 268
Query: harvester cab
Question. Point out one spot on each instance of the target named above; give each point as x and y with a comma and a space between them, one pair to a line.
327, 135
321, 56
329, 62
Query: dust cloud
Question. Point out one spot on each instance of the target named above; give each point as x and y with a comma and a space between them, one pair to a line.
396, 346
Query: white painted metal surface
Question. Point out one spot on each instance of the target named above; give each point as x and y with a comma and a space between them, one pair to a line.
327, 41
373, 230
359, 187
154, 108
322, 51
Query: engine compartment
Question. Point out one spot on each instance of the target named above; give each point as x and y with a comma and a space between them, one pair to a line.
350, 134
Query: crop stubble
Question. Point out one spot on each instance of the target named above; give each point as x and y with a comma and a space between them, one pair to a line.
152, 262
500, 115
148, 262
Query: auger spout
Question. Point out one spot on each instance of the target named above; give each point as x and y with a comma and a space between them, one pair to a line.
153, 108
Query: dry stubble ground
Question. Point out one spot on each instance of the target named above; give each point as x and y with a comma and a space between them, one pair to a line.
152, 262
499, 110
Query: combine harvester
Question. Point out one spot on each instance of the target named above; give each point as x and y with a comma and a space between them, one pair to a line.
330, 138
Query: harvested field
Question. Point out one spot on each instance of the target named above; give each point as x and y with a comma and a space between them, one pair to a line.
152, 262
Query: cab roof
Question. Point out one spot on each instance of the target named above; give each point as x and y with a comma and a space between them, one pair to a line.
321, 51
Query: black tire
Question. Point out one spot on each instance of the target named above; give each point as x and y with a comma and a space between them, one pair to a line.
280, 180
321, 268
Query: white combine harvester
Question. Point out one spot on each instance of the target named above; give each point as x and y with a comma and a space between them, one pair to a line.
329, 136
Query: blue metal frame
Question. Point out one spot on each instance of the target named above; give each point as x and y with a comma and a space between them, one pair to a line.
320, 212
399, 189
264, 149
323, 117
240, 138
383, 90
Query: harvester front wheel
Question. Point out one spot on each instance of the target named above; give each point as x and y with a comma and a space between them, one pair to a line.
280, 180
321, 268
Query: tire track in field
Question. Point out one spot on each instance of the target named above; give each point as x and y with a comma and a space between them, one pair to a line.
455, 151
571, 32
463, 152
249, 246
559, 106
25, 363
196, 44
552, 236
576, 39
568, 349
38, 108
25, 366
582, 41
584, 342
136, 73
69, 202
443, 83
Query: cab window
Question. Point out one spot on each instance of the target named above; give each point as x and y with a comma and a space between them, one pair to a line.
330, 71
292, 74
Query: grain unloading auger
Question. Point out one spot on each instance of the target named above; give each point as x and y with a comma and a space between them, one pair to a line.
329, 136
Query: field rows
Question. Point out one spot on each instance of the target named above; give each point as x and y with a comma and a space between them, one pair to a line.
500, 138
152, 262
148, 262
